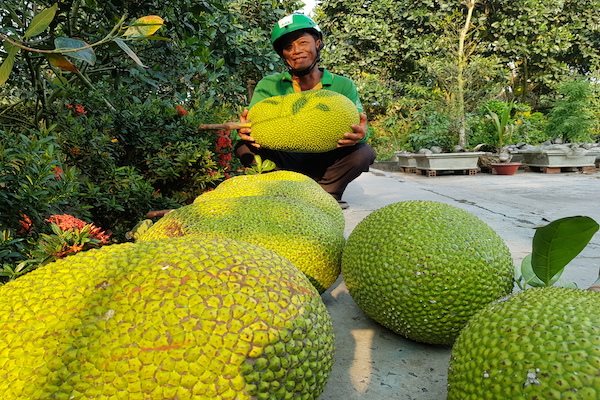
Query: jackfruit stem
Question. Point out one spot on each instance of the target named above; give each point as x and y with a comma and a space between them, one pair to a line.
226, 126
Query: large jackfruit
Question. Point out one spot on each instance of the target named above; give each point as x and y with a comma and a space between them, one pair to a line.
310, 122
279, 183
183, 318
541, 343
423, 268
290, 227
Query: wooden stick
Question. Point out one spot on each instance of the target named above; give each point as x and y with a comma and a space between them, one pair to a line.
227, 126
157, 213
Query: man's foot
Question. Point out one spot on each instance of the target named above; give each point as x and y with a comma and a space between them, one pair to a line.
343, 204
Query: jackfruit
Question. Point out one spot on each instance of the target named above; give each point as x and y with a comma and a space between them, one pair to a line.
279, 183
290, 227
183, 318
541, 343
423, 268
311, 121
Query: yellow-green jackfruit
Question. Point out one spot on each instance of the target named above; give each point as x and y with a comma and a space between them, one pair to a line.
279, 183
541, 343
183, 318
290, 227
311, 121
423, 268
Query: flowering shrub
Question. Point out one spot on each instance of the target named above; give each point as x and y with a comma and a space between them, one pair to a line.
78, 109
223, 149
70, 235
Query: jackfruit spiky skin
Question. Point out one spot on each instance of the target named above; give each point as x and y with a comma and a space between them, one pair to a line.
279, 183
291, 228
423, 268
539, 344
311, 121
183, 318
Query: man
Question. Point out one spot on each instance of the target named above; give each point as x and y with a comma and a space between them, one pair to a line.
298, 41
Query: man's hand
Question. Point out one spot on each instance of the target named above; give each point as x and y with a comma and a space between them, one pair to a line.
358, 133
244, 133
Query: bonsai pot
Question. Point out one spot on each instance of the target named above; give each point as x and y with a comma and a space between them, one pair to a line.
509, 168
448, 161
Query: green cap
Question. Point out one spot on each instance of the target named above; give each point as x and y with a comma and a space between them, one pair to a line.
292, 23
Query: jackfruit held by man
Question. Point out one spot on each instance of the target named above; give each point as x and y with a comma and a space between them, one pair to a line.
279, 183
182, 318
541, 343
290, 227
423, 268
311, 121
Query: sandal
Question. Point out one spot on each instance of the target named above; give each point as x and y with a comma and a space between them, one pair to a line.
343, 204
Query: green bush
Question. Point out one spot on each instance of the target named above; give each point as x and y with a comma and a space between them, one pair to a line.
571, 117
531, 127
34, 179
35, 183
432, 129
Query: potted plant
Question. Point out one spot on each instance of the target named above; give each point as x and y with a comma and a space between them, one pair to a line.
570, 122
500, 163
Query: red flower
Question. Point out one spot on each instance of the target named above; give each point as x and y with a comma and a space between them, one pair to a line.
182, 112
25, 224
66, 222
224, 159
80, 110
99, 234
58, 172
223, 143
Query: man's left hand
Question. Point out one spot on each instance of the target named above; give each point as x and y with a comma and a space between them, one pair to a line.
358, 133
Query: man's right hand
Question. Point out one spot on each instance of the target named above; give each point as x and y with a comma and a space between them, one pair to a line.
244, 133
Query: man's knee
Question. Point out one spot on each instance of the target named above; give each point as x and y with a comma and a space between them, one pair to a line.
364, 156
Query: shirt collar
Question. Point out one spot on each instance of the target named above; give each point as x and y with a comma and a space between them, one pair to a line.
326, 79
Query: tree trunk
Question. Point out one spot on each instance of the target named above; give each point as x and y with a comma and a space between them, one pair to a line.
462, 63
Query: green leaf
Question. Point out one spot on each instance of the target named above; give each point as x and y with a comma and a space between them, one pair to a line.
64, 43
530, 278
557, 243
129, 52
41, 21
9, 61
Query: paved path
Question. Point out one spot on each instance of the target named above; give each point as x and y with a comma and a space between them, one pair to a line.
373, 362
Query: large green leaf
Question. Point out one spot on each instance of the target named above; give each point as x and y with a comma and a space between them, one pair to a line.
41, 21
557, 243
9, 61
85, 54
129, 52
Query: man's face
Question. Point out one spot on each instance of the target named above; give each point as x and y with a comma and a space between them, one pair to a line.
301, 50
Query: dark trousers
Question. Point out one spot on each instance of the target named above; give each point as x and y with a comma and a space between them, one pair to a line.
333, 170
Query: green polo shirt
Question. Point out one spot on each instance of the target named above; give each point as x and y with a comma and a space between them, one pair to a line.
281, 83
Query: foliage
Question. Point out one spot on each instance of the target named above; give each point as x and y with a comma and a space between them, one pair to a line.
124, 130
70, 235
34, 180
531, 126
571, 116
542, 40
260, 166
432, 129
553, 247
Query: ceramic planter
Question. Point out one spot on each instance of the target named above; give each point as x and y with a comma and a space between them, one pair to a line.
448, 161
406, 162
557, 158
509, 168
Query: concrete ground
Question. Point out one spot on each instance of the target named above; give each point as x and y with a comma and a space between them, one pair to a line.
376, 364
